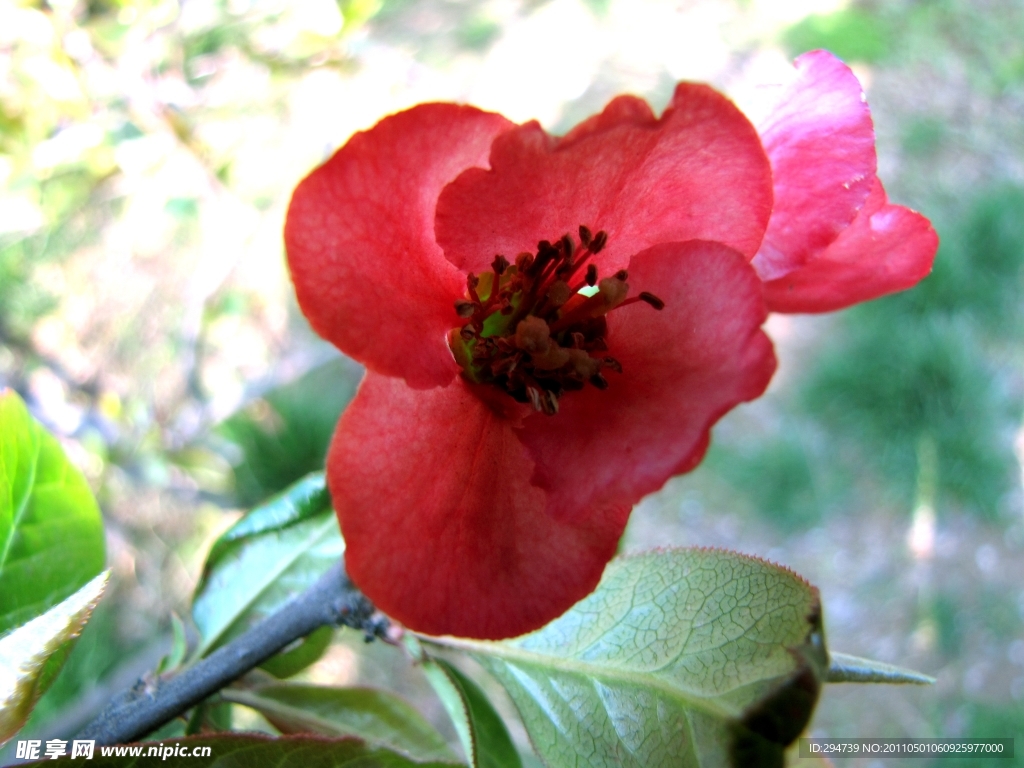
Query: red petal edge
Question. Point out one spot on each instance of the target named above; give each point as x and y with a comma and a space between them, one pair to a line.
622, 110
360, 240
888, 248
683, 368
443, 530
698, 172
821, 143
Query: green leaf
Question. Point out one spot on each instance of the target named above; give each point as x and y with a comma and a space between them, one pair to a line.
686, 657
179, 647
283, 436
481, 731
843, 668
299, 656
305, 499
32, 655
380, 718
51, 532
209, 716
270, 555
254, 751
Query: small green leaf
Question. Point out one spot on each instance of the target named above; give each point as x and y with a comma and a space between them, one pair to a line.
481, 731
179, 647
253, 751
686, 657
843, 668
380, 718
209, 716
300, 655
270, 555
51, 532
32, 654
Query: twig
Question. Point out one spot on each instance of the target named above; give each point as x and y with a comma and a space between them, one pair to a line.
333, 600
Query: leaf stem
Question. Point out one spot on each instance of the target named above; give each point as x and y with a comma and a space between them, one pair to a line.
332, 601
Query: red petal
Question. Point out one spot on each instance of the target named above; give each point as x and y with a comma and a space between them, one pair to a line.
360, 240
622, 110
443, 530
821, 144
698, 172
887, 248
683, 368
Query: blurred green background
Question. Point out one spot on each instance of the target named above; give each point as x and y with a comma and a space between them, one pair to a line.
147, 152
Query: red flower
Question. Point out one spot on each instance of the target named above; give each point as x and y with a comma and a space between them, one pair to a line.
486, 468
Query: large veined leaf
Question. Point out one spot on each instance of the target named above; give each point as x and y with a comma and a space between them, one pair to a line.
378, 717
32, 655
51, 532
687, 657
483, 735
252, 751
272, 554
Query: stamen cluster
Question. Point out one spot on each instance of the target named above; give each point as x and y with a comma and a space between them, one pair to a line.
536, 328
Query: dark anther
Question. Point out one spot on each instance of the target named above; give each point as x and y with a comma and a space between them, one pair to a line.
465, 307
523, 261
585, 236
578, 340
599, 241
651, 299
568, 246
545, 253
499, 265
591, 275
611, 362
599, 381
467, 332
472, 281
622, 275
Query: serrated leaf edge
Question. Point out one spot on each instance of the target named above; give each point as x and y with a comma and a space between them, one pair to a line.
210, 644
719, 550
464, 727
88, 596
238, 533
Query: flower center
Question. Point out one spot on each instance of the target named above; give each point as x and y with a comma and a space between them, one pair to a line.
536, 329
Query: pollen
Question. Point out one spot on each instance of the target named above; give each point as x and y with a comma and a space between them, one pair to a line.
529, 330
